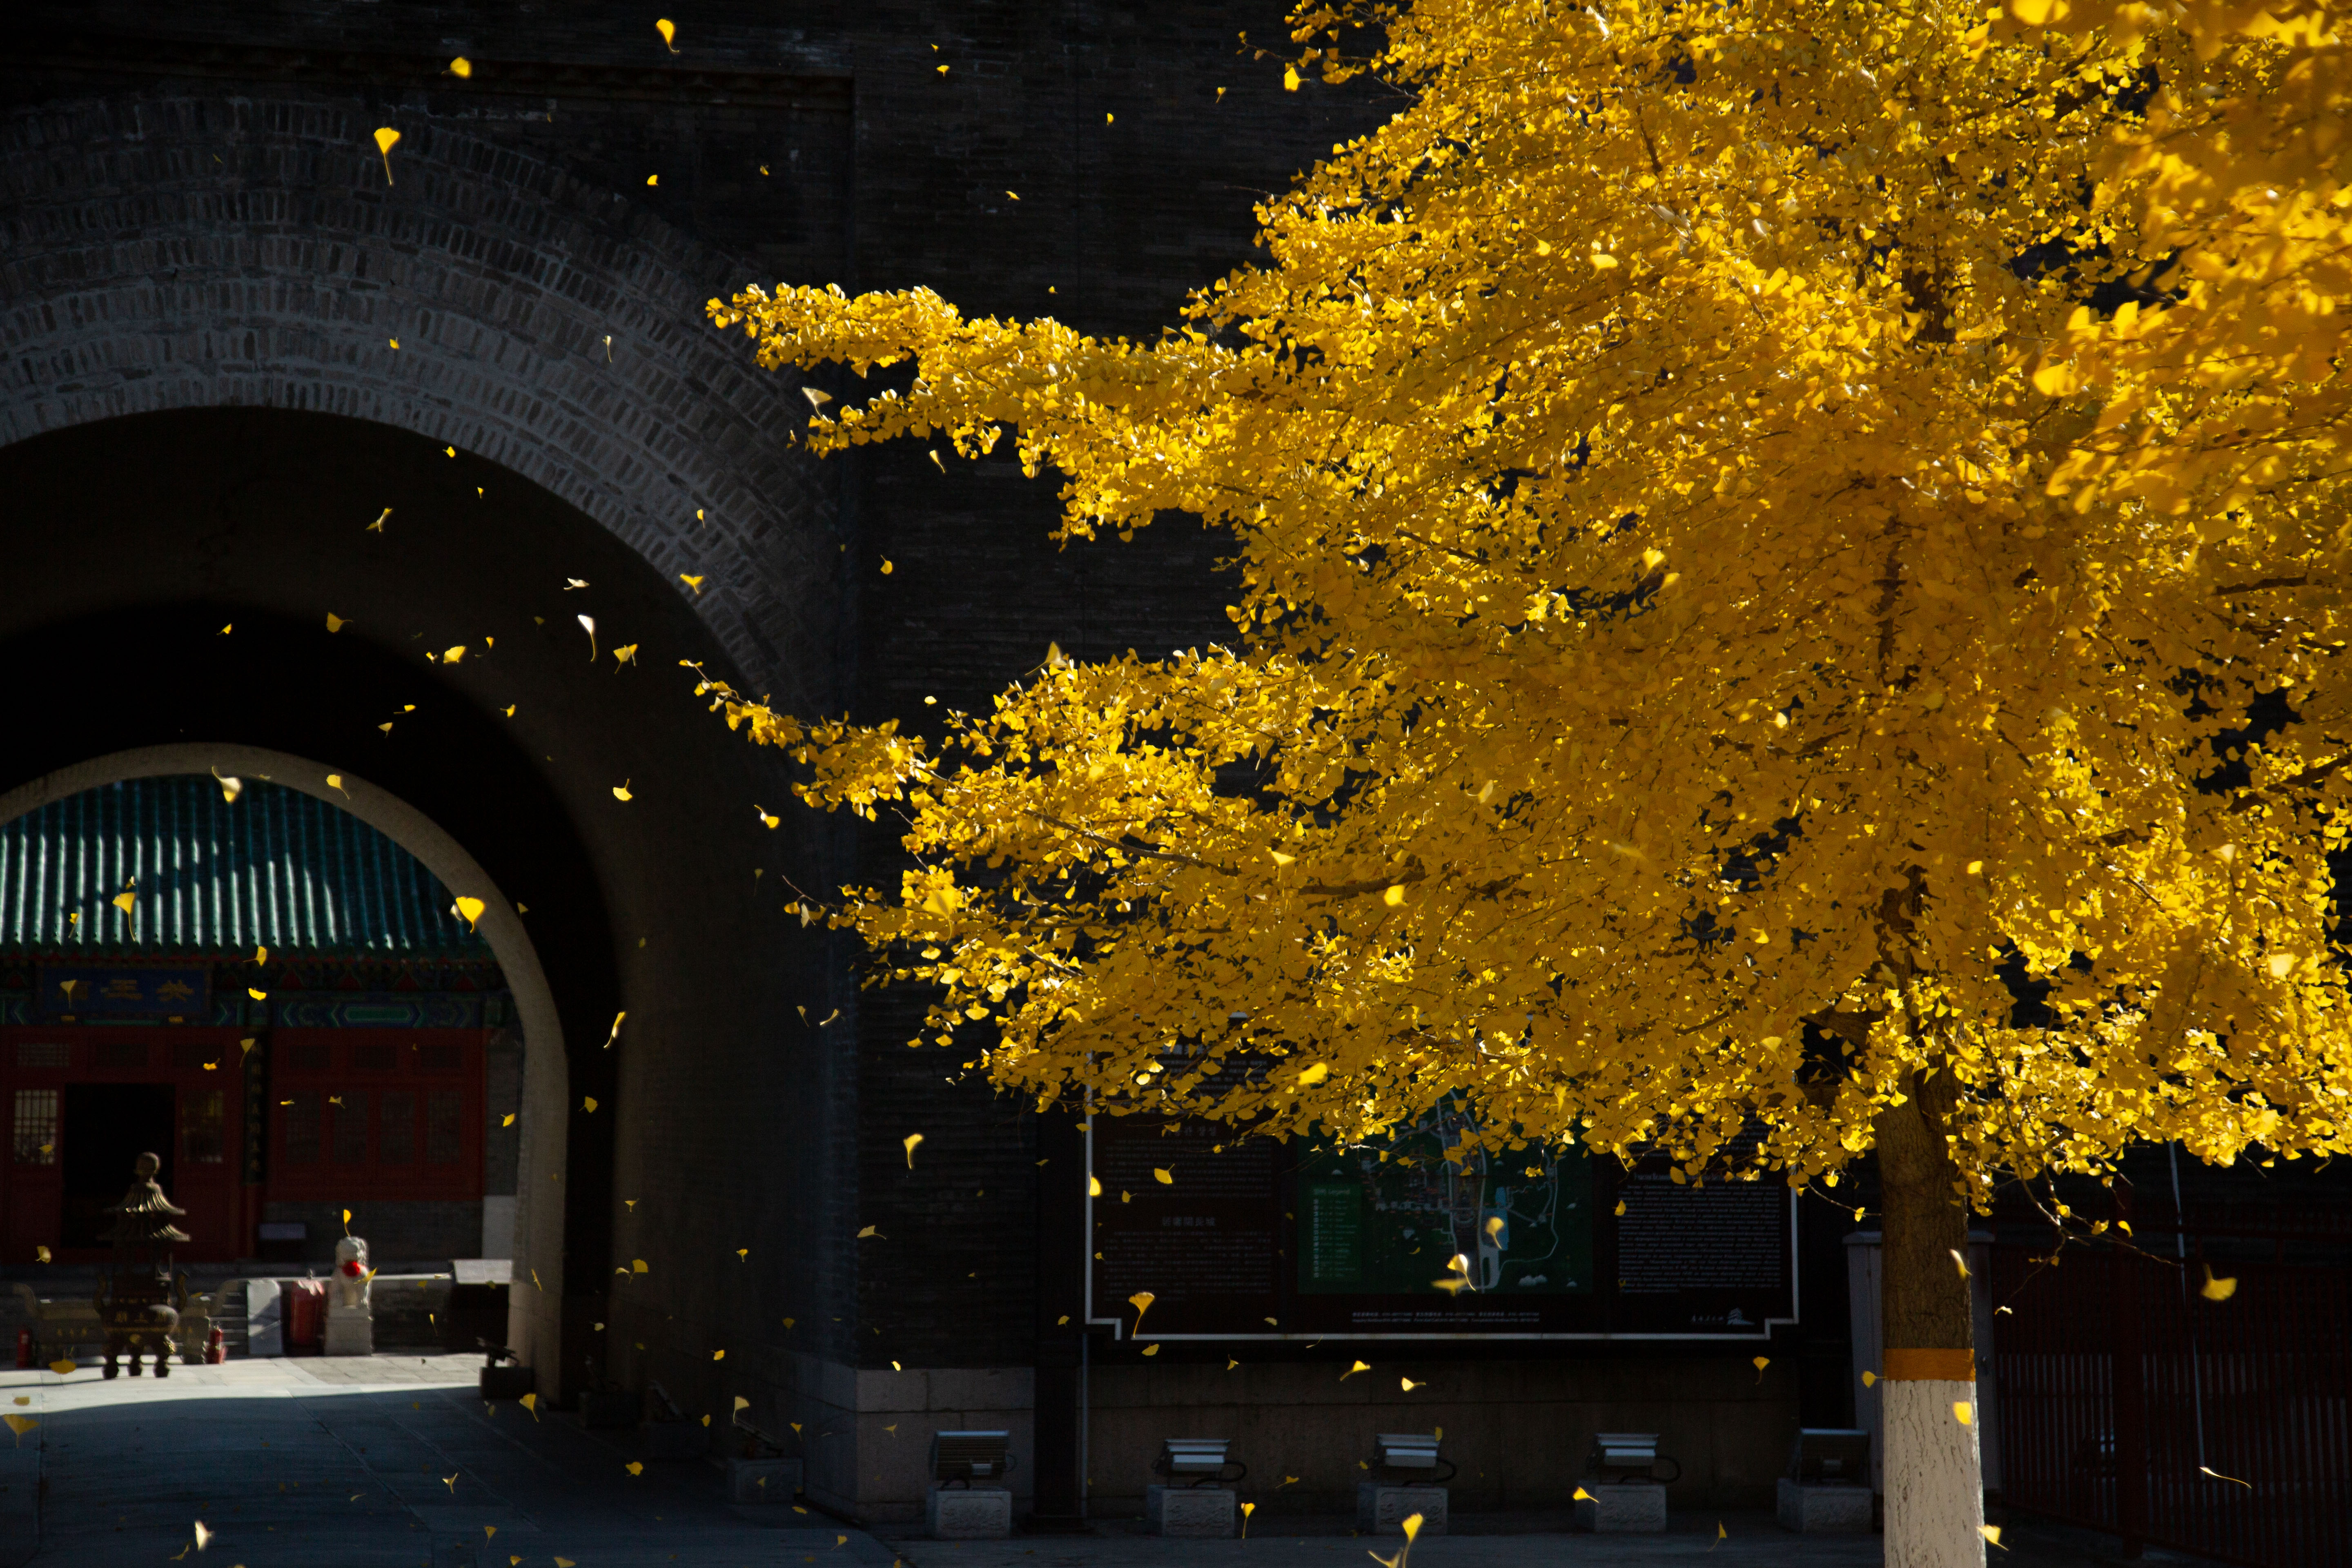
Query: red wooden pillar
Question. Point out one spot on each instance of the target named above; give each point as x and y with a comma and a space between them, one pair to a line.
2127, 1402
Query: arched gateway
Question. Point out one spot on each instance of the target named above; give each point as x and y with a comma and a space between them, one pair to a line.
230, 346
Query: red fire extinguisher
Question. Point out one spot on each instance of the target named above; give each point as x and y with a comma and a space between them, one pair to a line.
215, 1349
24, 1348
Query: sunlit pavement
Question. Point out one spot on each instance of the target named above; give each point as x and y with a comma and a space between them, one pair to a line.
392, 1461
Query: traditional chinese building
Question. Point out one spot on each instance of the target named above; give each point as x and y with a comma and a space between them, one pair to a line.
272, 997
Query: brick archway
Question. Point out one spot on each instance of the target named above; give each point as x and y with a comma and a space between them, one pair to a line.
176, 252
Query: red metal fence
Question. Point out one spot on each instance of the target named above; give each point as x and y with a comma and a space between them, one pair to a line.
2130, 1403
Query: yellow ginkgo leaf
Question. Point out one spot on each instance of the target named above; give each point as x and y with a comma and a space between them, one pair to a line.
335, 781
1870, 1380
385, 138
335, 623
508, 1120
912, 1140
1141, 1301
588, 1104
60, 1367
377, 526
124, 901
2217, 1289
451, 655
1963, 1413
258, 996
471, 909
230, 787
625, 654
693, 583
637, 1266
1353, 1369
1408, 1385
869, 1230
588, 624
1094, 1186
461, 67
634, 1469
717, 1355
616, 1028
1580, 1495
1290, 78
1164, 1178
886, 568
19, 1425
669, 31
1309, 1077
1991, 1532
621, 792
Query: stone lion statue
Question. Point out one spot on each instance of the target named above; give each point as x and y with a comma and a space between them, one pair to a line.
352, 1277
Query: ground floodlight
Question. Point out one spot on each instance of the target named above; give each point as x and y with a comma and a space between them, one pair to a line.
1411, 1456
1197, 1461
1831, 1454
1619, 1457
969, 1457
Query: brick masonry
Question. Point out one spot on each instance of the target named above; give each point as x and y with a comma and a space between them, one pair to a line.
196, 229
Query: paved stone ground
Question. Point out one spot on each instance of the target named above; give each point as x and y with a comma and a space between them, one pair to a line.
391, 1461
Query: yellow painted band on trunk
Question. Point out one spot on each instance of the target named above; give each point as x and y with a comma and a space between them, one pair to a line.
1930, 1366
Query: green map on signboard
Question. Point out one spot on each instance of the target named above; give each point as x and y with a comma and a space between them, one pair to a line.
1374, 1227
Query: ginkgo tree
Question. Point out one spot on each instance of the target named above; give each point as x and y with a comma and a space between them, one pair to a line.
1789, 560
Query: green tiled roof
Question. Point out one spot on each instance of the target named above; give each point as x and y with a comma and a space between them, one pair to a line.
275, 867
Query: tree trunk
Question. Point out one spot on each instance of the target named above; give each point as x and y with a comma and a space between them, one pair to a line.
1927, 1402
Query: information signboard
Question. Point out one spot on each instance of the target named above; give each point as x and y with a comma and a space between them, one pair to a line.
1249, 1239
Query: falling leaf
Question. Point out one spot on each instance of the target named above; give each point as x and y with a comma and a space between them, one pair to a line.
375, 527
204, 1536
335, 623
1162, 1177
1354, 1369
693, 583
335, 781
461, 67
394, 341
1720, 1533
764, 816
509, 1120
653, 179
936, 463
385, 727
588, 1104
1760, 1362
616, 1028
669, 30
887, 568
2217, 1289
869, 1230
1621, 1208
1580, 1495
718, 1355
911, 1140
1408, 1384
1991, 1532
471, 907
385, 137
588, 624
1869, 1380
621, 792
1141, 1301
451, 655
1110, 119
124, 900
1290, 78
626, 654
61, 1368
230, 787
256, 995
2231, 1479
510, 708
1962, 1412
20, 1424
634, 1469
1958, 1262
1094, 1186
